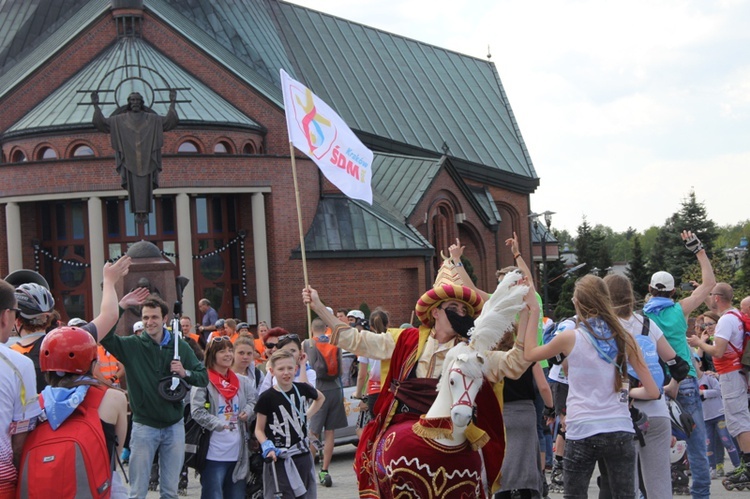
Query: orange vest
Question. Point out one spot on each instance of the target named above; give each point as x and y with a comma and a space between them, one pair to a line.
107, 363
260, 347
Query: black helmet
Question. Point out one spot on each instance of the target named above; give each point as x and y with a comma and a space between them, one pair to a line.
23, 276
34, 300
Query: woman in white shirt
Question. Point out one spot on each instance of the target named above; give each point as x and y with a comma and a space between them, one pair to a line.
598, 418
654, 455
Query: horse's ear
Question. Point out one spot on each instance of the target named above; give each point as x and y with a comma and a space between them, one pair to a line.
480, 358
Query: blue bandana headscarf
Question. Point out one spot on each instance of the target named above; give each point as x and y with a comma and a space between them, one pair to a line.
59, 402
657, 304
602, 339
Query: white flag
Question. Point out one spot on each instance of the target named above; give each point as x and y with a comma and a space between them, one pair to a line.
316, 130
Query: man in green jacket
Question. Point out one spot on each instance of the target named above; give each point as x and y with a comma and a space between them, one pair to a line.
157, 424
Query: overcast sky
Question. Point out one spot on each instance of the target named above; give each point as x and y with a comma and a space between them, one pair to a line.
624, 106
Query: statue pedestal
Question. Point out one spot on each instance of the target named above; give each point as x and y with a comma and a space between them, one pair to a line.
150, 269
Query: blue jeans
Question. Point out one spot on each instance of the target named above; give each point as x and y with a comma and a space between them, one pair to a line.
145, 442
616, 450
689, 398
216, 481
717, 439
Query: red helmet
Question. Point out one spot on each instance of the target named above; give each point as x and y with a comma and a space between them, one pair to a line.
68, 349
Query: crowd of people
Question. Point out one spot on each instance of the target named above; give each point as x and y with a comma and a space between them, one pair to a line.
619, 386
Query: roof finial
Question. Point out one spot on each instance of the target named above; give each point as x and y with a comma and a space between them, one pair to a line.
489, 54
446, 148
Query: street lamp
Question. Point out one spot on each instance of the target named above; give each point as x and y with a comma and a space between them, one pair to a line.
548, 222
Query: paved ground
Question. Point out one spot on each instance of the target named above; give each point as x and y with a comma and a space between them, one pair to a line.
345, 483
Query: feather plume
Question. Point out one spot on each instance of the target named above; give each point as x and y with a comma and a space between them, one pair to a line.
499, 313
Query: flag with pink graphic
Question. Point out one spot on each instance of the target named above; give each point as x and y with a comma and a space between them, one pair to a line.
316, 130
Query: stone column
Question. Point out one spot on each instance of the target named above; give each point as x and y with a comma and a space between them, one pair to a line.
185, 250
260, 249
13, 236
96, 251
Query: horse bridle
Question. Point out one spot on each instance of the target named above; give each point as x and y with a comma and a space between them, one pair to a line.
465, 398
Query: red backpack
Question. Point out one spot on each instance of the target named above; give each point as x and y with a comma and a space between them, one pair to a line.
745, 354
72, 461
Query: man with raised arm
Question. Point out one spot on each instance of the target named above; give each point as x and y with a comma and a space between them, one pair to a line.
672, 318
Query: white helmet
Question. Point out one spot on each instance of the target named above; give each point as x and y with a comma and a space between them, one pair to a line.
138, 326
357, 314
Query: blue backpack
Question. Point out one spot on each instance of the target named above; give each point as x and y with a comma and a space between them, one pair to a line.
650, 356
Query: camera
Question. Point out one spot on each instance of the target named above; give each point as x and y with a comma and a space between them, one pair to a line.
686, 286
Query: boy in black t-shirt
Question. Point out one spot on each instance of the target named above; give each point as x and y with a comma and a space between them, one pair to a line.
281, 429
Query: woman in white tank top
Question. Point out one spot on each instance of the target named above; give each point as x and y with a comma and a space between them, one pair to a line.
598, 417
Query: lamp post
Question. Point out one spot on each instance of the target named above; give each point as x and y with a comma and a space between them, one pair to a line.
545, 231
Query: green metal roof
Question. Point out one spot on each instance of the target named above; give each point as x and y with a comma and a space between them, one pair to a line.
403, 180
407, 91
399, 95
484, 199
62, 109
241, 34
31, 31
350, 228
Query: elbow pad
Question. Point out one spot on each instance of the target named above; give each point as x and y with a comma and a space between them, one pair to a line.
678, 368
557, 359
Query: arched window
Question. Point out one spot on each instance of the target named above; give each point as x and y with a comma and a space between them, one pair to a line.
82, 151
188, 147
222, 147
18, 157
46, 153
249, 148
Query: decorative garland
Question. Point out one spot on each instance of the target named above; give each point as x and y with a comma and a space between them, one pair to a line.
38, 249
240, 238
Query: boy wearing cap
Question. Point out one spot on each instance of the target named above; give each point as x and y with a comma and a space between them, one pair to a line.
672, 317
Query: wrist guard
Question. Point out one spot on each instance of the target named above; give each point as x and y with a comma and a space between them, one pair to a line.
693, 244
267, 447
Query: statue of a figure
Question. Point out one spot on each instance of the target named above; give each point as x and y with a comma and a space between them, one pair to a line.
137, 136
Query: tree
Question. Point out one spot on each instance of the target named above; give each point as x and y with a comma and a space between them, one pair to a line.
666, 240
585, 250
555, 269
564, 306
637, 272
469, 268
693, 216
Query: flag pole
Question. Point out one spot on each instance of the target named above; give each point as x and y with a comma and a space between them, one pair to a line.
301, 233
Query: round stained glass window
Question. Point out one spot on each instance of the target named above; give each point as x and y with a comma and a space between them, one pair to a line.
72, 275
212, 267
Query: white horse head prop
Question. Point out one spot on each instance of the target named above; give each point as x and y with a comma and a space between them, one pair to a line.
465, 366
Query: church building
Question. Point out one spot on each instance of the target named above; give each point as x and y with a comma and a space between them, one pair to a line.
449, 161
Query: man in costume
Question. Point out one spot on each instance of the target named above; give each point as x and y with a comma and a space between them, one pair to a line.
415, 358
137, 137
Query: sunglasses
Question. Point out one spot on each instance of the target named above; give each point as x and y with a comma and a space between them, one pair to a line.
271, 345
288, 337
220, 338
17, 311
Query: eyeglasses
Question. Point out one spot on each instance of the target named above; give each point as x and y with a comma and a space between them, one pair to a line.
716, 294
17, 311
707, 325
220, 338
271, 345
